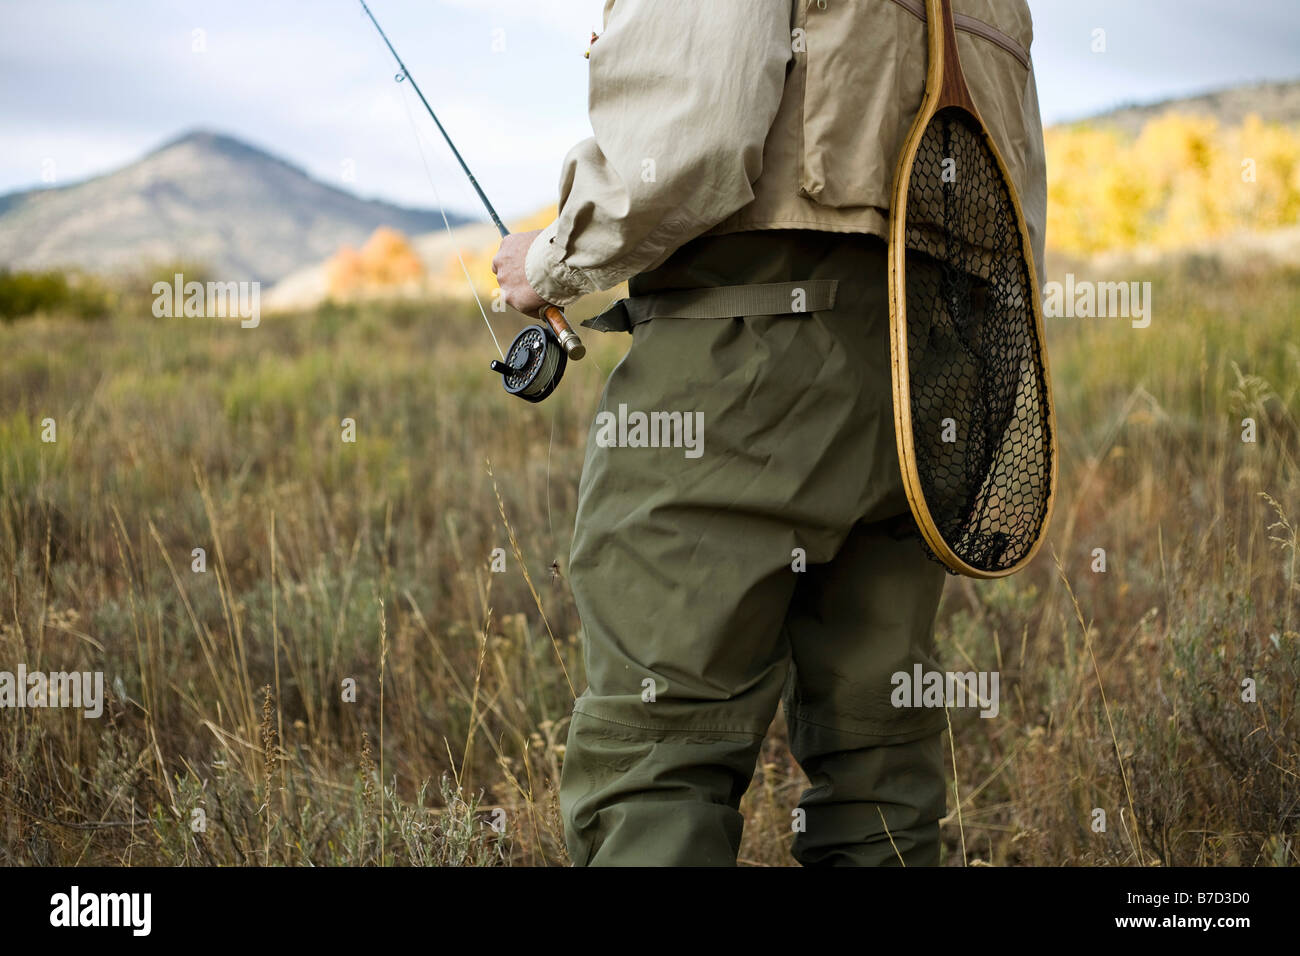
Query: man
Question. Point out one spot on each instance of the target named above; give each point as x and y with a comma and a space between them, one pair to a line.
740, 178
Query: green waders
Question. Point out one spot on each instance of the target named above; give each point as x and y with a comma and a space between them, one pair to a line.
764, 564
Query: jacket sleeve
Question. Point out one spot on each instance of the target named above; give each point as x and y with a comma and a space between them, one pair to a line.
682, 95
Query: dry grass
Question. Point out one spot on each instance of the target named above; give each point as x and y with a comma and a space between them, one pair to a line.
329, 561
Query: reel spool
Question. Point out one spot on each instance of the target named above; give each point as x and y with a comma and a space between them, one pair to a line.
534, 364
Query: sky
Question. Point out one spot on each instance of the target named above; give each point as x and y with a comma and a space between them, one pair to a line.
87, 86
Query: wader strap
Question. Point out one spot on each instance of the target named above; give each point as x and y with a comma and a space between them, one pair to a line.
722, 302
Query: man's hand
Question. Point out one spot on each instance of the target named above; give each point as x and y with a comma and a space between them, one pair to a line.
508, 267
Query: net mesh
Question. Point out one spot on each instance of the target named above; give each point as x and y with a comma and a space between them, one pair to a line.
978, 389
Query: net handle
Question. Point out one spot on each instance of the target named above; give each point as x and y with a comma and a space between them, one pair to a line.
953, 90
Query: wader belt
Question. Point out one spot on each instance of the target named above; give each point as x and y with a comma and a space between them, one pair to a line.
721, 302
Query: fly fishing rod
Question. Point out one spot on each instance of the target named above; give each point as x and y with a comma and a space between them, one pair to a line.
535, 361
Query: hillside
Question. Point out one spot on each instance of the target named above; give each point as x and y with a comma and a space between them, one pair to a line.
1271, 102
205, 198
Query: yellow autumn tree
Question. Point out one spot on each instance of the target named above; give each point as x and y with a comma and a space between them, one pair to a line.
345, 273
1181, 179
385, 262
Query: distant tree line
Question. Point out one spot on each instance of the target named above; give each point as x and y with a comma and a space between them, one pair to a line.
76, 294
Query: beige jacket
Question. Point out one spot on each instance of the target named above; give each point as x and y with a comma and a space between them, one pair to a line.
732, 115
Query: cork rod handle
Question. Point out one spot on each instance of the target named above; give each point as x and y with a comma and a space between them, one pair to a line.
573, 346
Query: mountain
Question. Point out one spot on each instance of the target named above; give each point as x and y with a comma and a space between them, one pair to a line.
204, 198
1277, 102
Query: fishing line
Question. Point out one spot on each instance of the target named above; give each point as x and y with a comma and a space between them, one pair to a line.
551, 358
419, 137
415, 130
550, 525
549, 367
428, 174
534, 364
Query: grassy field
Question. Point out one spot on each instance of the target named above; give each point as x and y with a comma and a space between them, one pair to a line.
226, 738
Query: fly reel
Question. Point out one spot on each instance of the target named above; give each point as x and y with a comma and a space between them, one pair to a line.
534, 364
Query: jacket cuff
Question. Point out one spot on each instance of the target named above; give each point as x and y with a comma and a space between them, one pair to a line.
552, 279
